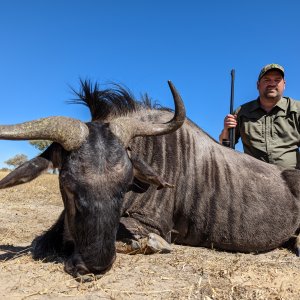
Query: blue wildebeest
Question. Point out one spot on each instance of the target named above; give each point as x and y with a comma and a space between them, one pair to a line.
222, 198
96, 170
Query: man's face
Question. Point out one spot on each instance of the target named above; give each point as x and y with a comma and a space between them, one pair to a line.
271, 85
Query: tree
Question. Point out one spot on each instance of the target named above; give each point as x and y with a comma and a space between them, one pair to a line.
17, 160
40, 144
4, 170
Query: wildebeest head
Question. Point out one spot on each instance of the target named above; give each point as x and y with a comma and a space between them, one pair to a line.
96, 169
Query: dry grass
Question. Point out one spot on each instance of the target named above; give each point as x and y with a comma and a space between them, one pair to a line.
186, 273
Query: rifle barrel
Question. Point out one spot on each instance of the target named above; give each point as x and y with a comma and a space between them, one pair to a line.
231, 110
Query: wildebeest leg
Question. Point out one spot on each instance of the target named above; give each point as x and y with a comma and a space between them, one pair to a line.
133, 238
51, 242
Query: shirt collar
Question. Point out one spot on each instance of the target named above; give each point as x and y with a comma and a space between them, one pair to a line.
282, 104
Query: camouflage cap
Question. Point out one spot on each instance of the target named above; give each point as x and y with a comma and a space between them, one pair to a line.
269, 67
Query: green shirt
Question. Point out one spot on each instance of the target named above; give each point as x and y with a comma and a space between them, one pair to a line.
274, 136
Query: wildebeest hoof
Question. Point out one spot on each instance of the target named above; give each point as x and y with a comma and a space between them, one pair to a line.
156, 244
135, 245
88, 277
153, 243
130, 246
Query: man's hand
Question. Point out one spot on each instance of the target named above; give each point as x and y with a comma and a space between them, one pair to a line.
229, 122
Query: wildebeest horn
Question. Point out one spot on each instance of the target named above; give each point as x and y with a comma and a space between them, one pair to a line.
127, 128
68, 132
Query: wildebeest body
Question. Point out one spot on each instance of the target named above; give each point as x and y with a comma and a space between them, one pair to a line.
222, 198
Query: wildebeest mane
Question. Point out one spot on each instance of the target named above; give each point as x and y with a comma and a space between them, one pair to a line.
109, 103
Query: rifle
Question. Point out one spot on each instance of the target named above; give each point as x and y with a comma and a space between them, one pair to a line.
231, 142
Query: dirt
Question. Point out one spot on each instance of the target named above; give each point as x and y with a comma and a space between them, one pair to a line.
185, 273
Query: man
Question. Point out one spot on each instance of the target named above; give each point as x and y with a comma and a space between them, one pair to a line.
270, 125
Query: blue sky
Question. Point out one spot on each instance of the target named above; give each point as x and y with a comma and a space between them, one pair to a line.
46, 46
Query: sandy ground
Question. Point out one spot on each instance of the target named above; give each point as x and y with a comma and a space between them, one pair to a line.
186, 273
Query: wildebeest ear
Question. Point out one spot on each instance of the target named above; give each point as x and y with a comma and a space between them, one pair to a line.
26, 172
145, 175
138, 186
